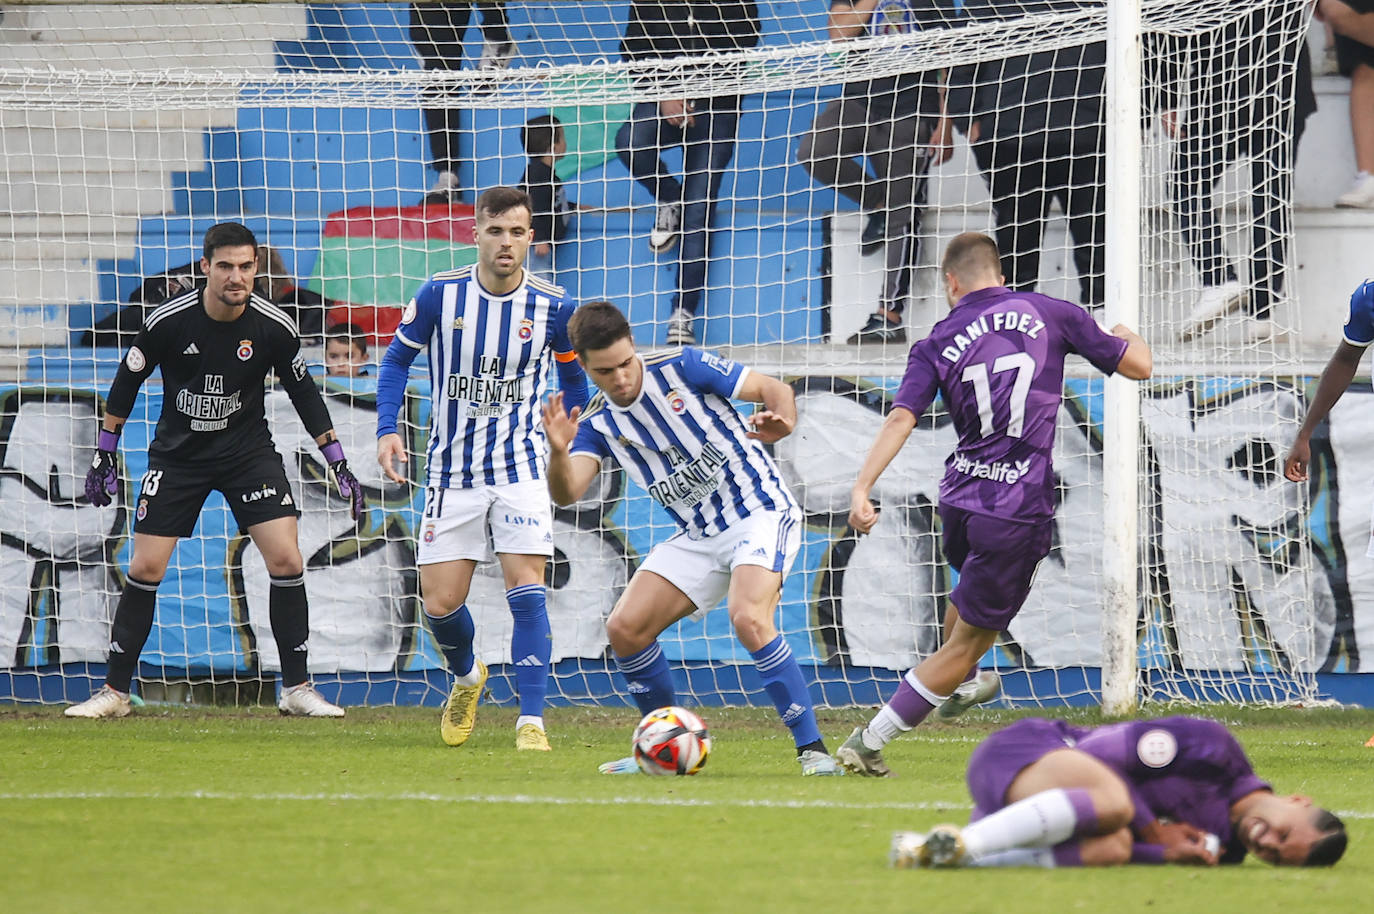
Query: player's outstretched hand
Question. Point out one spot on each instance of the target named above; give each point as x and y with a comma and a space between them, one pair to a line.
862, 513
560, 426
769, 426
390, 451
1295, 464
102, 479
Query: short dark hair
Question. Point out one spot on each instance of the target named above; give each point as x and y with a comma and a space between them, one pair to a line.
538, 133
597, 325
971, 254
228, 235
497, 200
1326, 850
351, 334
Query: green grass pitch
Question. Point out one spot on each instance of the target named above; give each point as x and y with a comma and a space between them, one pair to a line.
189, 810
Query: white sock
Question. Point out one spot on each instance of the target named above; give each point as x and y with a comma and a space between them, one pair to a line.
471, 677
1042, 820
529, 719
1018, 856
883, 728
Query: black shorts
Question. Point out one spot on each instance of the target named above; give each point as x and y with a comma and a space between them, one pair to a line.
171, 495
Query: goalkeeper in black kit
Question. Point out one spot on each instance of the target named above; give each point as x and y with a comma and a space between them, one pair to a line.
215, 347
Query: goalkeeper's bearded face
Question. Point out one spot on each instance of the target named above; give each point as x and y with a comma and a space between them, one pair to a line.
230, 274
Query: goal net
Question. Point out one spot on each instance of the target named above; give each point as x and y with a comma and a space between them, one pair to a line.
827, 156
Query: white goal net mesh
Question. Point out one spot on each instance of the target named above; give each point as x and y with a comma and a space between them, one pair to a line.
831, 152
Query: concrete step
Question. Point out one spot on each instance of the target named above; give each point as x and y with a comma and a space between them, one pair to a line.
220, 54
29, 149
50, 192
130, 24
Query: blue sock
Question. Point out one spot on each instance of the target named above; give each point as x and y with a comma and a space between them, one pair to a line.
454, 634
650, 680
530, 646
782, 680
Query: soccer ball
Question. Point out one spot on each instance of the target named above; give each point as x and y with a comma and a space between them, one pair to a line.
671, 741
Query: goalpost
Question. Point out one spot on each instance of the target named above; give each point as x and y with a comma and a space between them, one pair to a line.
1184, 567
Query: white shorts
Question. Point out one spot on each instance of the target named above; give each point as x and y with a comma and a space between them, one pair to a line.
516, 519
1369, 552
701, 568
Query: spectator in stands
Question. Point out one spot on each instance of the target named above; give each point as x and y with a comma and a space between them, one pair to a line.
345, 351
1353, 23
545, 144
273, 283
704, 127
897, 123
436, 30
1241, 85
1036, 124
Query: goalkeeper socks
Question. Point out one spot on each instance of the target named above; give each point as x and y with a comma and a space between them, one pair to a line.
454, 633
133, 621
290, 615
530, 646
648, 677
908, 706
1042, 820
782, 680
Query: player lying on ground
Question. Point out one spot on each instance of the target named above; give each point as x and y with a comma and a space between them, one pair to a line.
493, 332
215, 346
997, 360
668, 420
1173, 790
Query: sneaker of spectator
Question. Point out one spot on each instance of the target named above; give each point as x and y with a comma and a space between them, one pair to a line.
445, 189
881, 329
496, 55
1360, 195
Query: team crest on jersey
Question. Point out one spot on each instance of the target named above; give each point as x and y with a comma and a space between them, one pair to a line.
134, 359
526, 330
408, 313
1156, 748
142, 511
245, 350
429, 534
676, 403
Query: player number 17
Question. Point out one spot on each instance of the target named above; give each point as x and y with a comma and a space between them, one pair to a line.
977, 375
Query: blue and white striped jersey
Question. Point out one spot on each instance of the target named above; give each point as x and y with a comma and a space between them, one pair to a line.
1359, 327
684, 442
489, 361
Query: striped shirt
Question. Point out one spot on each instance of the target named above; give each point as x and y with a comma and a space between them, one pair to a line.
489, 365
685, 443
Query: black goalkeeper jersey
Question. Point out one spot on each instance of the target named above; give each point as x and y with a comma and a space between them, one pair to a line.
213, 375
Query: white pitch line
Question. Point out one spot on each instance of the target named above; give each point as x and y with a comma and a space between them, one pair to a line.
517, 799
521, 799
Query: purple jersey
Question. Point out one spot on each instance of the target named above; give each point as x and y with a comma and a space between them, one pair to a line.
1185, 769
998, 361
1182, 768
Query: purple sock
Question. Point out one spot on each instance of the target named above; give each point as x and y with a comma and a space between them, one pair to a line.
1083, 811
908, 704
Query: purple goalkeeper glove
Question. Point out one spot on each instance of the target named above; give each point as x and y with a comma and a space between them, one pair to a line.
102, 479
343, 478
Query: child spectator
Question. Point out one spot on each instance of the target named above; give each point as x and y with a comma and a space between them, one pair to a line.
545, 144
345, 351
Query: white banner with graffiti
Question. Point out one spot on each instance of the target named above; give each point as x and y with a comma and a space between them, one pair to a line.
1237, 574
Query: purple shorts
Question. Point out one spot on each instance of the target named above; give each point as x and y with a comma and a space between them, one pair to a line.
996, 561
1005, 754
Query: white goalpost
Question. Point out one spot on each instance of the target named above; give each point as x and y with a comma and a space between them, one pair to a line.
1132, 156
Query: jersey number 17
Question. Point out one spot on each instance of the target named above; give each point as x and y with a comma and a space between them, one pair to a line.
977, 375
